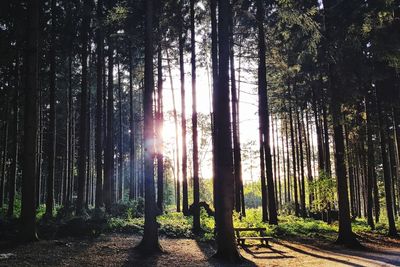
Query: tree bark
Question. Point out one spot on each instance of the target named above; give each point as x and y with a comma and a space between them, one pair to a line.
149, 243
224, 179
326, 141
132, 144
5, 152
289, 194
52, 118
215, 69
109, 181
292, 138
14, 146
386, 168
99, 106
160, 124
263, 102
237, 158
28, 209
120, 191
301, 155
185, 205
196, 182
371, 162
82, 153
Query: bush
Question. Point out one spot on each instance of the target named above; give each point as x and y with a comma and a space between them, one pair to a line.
175, 225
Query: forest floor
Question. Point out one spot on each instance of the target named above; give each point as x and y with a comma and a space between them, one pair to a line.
118, 250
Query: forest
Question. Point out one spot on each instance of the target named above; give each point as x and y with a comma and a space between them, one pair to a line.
184, 132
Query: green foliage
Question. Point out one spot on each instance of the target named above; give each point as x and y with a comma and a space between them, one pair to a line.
175, 225
325, 188
128, 209
252, 195
117, 15
207, 224
292, 226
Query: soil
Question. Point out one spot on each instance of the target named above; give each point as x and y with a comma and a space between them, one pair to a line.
119, 250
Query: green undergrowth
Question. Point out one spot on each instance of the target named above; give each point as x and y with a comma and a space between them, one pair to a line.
176, 225
128, 218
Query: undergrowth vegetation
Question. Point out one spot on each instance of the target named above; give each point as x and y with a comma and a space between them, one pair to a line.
128, 218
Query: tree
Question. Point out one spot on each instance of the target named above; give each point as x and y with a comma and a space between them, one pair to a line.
386, 168
182, 40
237, 158
132, 145
28, 209
224, 179
264, 113
109, 181
82, 153
160, 118
52, 118
14, 145
196, 183
371, 161
99, 105
149, 243
346, 235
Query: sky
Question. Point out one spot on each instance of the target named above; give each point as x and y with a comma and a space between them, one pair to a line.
247, 110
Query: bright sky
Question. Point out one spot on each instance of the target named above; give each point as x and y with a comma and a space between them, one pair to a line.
248, 117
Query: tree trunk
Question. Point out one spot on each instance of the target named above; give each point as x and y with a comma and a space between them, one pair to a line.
346, 235
308, 136
4, 158
70, 139
109, 182
88, 149
224, 179
178, 183
120, 191
196, 182
371, 162
285, 189
302, 180
263, 102
132, 145
159, 129
392, 164
351, 174
82, 153
237, 158
386, 169
326, 141
296, 198
264, 196
28, 208
289, 194
14, 146
39, 154
215, 69
182, 38
52, 118
321, 163
149, 243
99, 108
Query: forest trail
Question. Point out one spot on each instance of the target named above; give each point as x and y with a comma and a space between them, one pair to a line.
118, 250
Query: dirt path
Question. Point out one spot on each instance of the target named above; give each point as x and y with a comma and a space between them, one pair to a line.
117, 250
